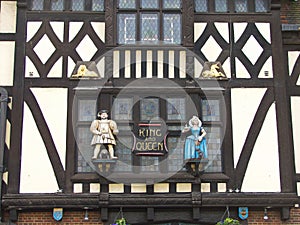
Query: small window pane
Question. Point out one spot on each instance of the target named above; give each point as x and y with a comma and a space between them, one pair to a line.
149, 109
149, 27
176, 109
78, 5
261, 6
123, 151
127, 4
210, 110
201, 6
57, 5
172, 4
149, 4
172, 28
149, 164
221, 5
122, 109
175, 155
37, 5
241, 6
127, 28
98, 5
86, 110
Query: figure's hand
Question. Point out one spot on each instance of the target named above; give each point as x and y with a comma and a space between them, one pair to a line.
200, 138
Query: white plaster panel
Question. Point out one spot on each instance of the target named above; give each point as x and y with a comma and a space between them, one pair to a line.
264, 30
52, 102
197, 68
241, 71
58, 28
56, 70
99, 28
182, 64
223, 30
35, 163
210, 54
245, 102
32, 28
226, 67
262, 174
71, 66
198, 30
30, 69
292, 58
7, 63
267, 69
295, 104
239, 29
74, 29
8, 16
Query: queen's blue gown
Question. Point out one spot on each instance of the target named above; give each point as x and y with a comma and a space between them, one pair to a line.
191, 151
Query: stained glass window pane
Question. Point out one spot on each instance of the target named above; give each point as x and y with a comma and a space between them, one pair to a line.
57, 5
172, 28
201, 6
149, 4
127, 4
149, 164
261, 6
98, 5
241, 5
85, 152
123, 151
37, 5
149, 109
175, 155
171, 4
176, 109
122, 108
78, 5
127, 28
86, 110
210, 110
149, 27
221, 5
214, 163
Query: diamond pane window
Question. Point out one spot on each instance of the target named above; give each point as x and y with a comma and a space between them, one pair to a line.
172, 4
201, 6
149, 27
261, 6
123, 147
210, 110
175, 157
37, 5
127, 4
149, 4
172, 28
78, 5
176, 108
57, 5
221, 5
241, 5
149, 164
122, 108
127, 28
98, 5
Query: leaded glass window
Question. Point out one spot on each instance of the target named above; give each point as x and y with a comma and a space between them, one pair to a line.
37, 5
221, 5
201, 6
149, 27
241, 5
127, 4
210, 110
172, 4
98, 5
149, 109
78, 5
149, 4
57, 5
261, 6
122, 108
176, 108
127, 28
172, 28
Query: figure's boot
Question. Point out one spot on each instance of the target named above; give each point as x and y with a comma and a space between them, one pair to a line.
111, 152
96, 151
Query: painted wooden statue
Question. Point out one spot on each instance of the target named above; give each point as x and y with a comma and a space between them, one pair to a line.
195, 143
104, 131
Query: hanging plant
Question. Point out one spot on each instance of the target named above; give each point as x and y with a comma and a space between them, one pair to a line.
121, 221
228, 221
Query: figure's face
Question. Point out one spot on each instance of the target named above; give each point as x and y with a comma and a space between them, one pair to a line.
103, 116
195, 122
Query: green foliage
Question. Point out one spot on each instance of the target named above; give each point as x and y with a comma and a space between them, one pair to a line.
121, 221
228, 221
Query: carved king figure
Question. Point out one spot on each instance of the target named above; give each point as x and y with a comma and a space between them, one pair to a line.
104, 131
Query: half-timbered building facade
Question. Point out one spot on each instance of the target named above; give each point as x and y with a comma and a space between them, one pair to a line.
151, 65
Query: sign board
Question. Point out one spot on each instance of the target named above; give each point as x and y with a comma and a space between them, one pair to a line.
150, 139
